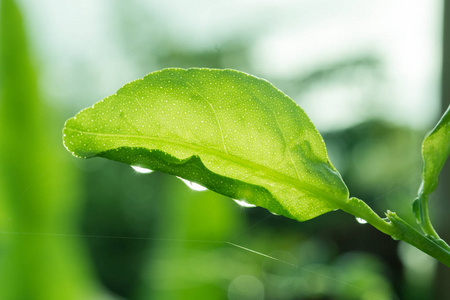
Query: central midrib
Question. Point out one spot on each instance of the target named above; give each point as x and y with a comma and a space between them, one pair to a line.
226, 156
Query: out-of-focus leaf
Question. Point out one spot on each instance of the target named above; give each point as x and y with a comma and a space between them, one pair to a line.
37, 192
435, 150
231, 132
186, 224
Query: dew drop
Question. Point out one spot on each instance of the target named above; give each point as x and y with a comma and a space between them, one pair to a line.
193, 186
361, 221
244, 203
142, 170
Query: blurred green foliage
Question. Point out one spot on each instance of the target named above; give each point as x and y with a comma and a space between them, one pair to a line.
140, 249
39, 197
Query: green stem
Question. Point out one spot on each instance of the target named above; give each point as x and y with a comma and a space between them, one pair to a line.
428, 244
399, 230
425, 222
360, 209
423, 216
420, 208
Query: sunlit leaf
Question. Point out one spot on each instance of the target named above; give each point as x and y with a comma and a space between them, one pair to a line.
435, 150
228, 131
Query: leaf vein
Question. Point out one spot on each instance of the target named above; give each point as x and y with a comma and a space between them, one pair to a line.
212, 108
281, 131
264, 170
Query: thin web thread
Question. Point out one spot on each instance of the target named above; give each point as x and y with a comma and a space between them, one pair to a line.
198, 241
398, 187
220, 242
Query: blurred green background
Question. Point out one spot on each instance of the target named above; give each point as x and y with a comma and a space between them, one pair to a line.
373, 77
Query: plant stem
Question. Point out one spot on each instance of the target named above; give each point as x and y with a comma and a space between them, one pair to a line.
398, 229
431, 246
360, 209
424, 219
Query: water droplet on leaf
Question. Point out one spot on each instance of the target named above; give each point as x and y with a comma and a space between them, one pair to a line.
142, 170
361, 221
193, 186
244, 203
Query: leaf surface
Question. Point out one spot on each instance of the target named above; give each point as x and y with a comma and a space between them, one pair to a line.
435, 150
231, 132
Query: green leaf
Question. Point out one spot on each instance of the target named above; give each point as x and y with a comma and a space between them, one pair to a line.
435, 150
231, 132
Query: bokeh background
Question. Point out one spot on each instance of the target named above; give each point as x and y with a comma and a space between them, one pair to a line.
372, 75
